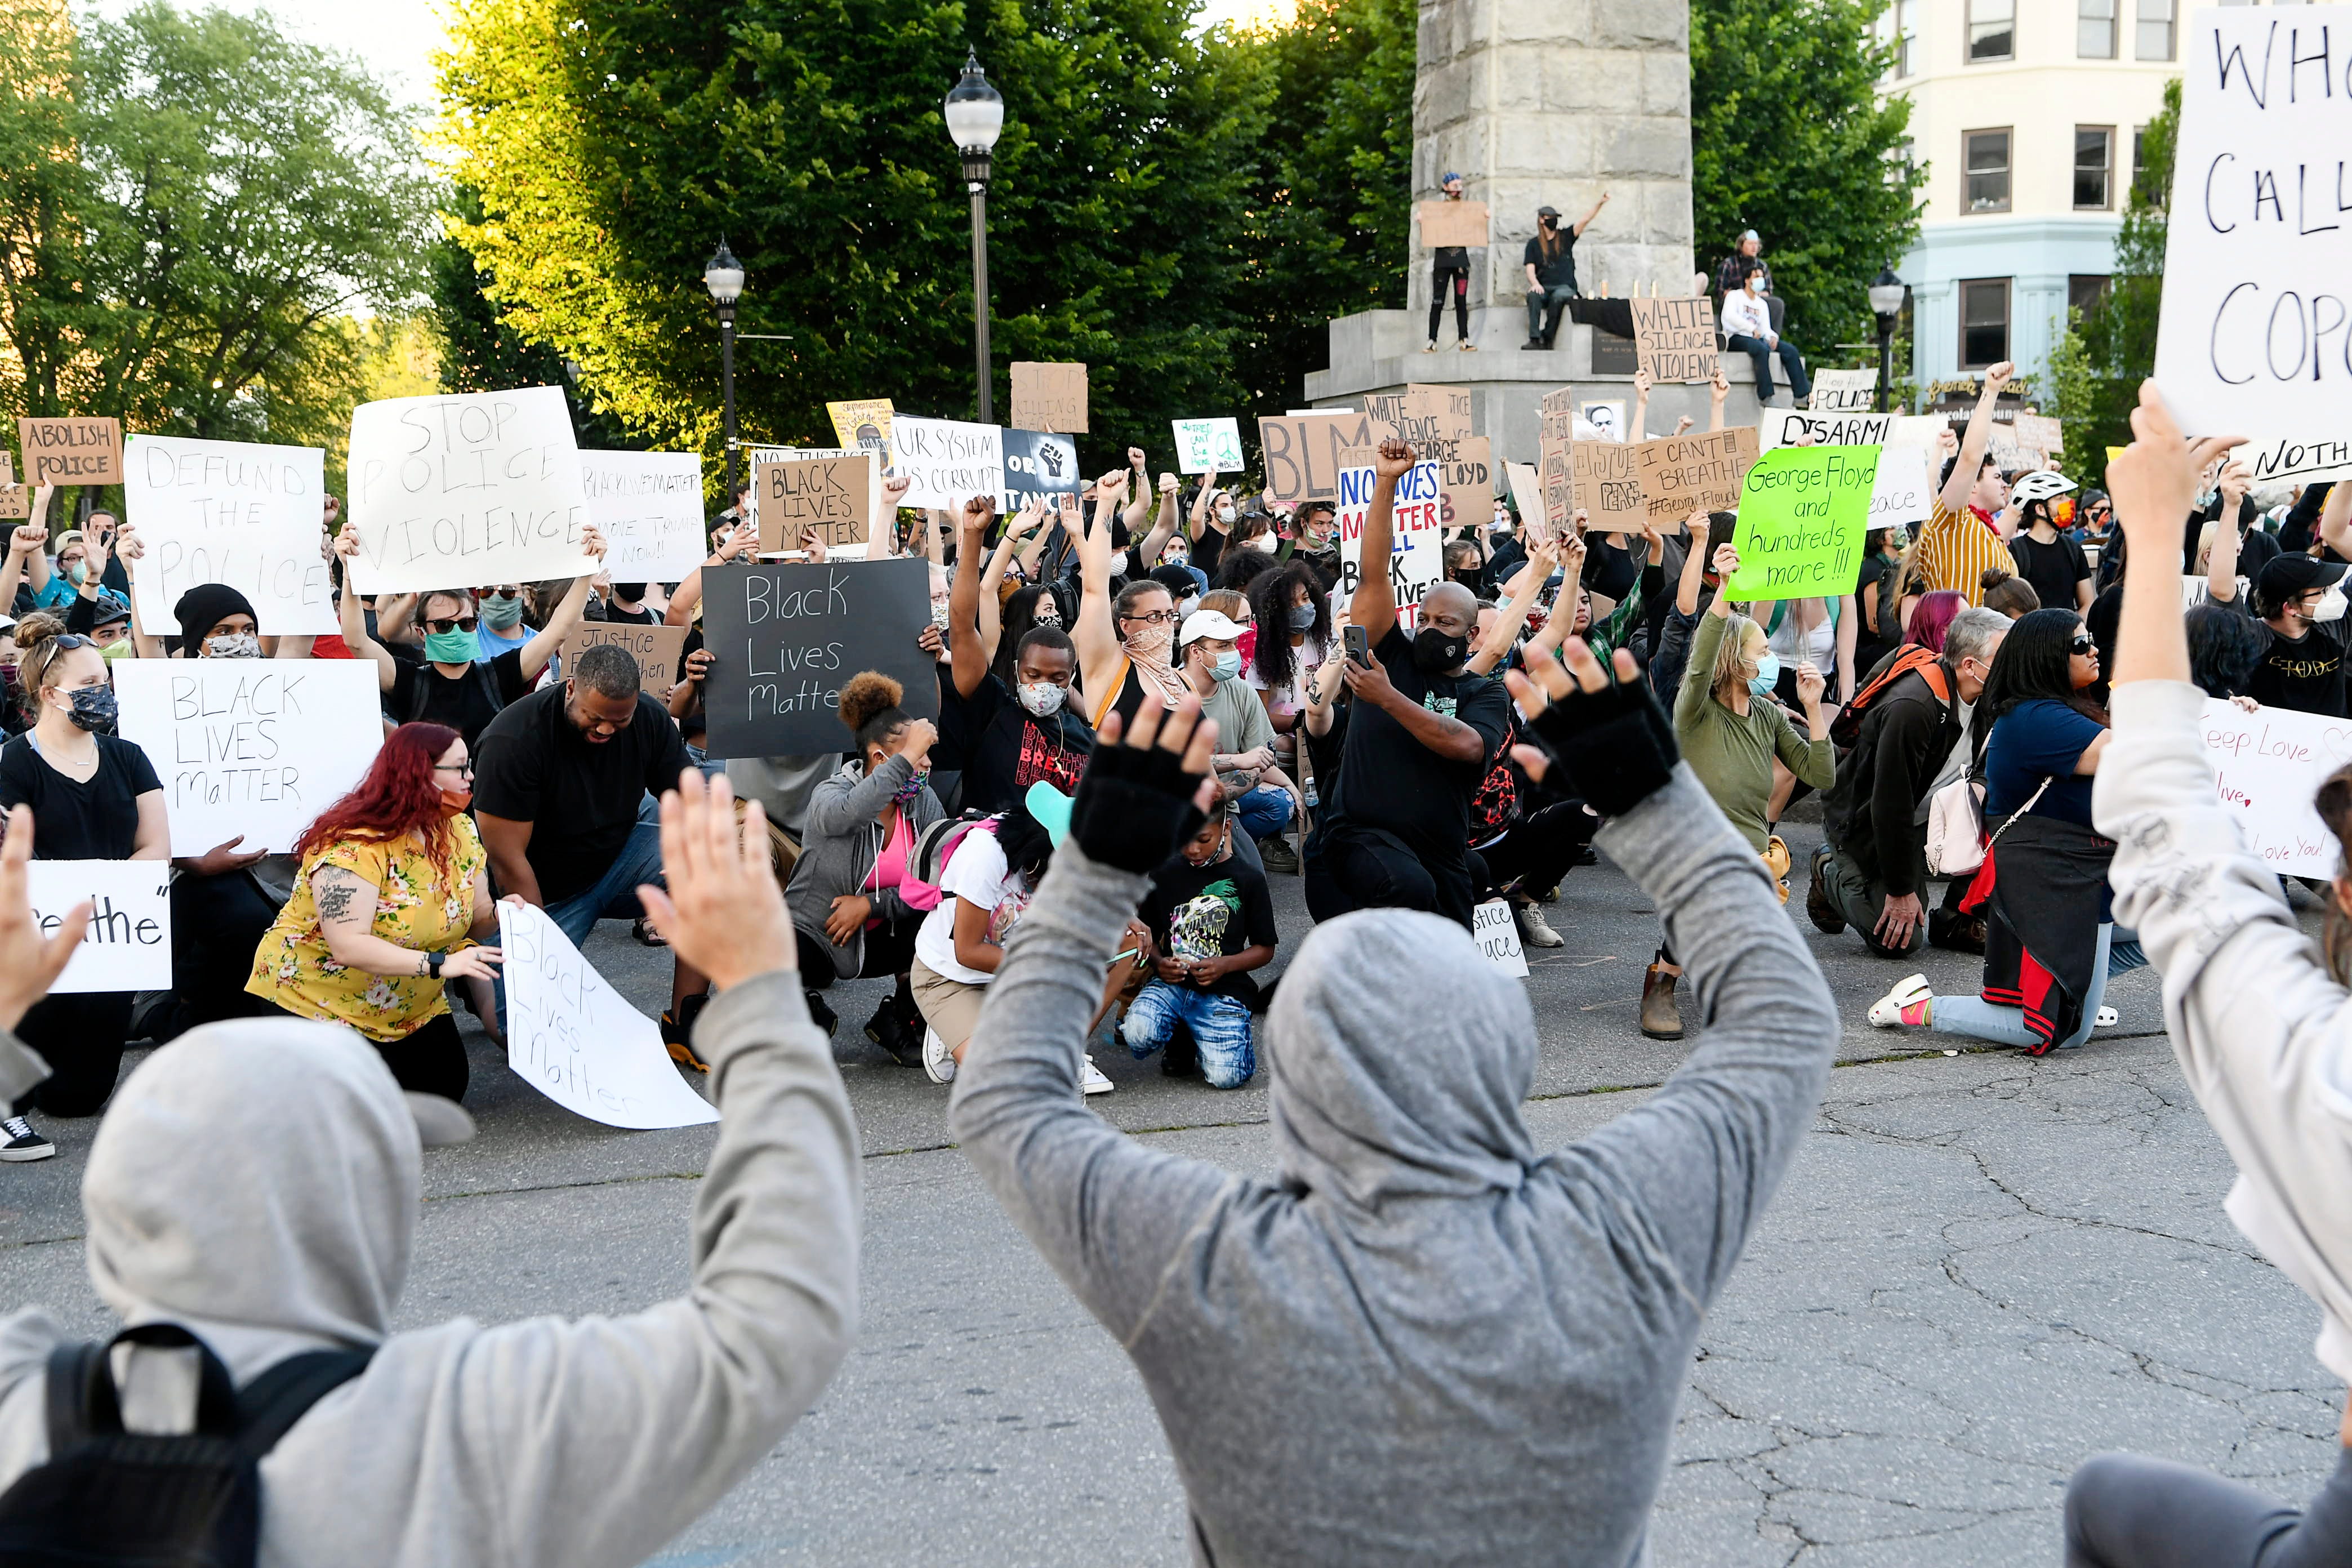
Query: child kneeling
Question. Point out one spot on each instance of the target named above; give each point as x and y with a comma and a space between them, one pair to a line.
1212, 922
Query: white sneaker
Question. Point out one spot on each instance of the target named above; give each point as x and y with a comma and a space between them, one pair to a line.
1906, 1005
937, 1061
2105, 1018
19, 1142
1431, 347
1534, 930
1095, 1081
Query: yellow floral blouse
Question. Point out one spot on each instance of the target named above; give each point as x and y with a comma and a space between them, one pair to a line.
416, 908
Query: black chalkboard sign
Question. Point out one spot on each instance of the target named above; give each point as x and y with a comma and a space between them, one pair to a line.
783, 638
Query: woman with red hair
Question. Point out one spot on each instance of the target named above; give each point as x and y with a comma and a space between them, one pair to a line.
1931, 618
388, 904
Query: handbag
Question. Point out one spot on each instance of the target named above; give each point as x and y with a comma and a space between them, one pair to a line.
1957, 845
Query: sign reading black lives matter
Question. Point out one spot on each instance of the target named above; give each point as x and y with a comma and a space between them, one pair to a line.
782, 639
2255, 335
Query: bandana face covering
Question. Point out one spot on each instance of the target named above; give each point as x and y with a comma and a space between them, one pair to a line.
1152, 642
236, 645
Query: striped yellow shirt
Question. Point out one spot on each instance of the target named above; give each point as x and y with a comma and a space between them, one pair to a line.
1955, 550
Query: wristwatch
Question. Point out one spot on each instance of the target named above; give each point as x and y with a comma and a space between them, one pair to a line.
433, 961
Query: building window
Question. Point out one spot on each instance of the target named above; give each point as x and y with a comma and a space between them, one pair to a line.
1984, 321
1987, 163
2095, 158
1907, 36
1992, 30
2094, 29
2084, 291
2154, 39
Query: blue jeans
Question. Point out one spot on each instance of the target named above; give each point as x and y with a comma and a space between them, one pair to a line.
1762, 355
1220, 1025
1547, 302
1264, 811
2119, 953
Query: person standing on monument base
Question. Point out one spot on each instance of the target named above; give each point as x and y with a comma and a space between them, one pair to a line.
1450, 273
1551, 262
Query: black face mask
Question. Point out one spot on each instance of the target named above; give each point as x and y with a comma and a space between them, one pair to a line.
1435, 652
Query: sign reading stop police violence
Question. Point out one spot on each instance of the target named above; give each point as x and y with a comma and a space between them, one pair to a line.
2255, 335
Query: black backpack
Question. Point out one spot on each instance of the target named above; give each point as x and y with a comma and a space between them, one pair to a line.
189, 1499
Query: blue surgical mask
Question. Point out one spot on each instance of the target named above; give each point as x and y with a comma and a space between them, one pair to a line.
1767, 676
1225, 666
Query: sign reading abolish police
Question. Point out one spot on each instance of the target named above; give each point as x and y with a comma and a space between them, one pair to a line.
1416, 545
782, 639
222, 511
1802, 515
2255, 333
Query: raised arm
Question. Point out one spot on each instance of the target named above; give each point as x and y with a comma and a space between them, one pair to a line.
2336, 521
1972, 445
2221, 566
36, 565
743, 536
1637, 426
1373, 604
547, 641
351, 617
1531, 579
143, 643
1586, 221
967, 662
1716, 392
1096, 638
26, 541
1162, 530
882, 533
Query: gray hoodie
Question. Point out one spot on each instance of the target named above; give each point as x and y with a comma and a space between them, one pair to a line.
259, 1182
1424, 1342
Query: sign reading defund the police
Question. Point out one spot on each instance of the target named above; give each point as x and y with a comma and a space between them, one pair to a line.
250, 746
783, 638
2255, 335
225, 512
127, 946
466, 491
1416, 545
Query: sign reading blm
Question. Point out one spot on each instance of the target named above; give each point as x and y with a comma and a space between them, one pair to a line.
783, 640
2255, 335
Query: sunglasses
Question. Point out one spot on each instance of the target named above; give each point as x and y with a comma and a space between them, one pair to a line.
443, 627
2082, 645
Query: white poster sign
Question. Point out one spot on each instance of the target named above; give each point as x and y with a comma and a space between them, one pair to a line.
1207, 445
649, 505
127, 945
1496, 933
949, 460
1785, 426
1901, 494
1844, 391
1526, 493
226, 512
465, 490
1416, 548
2254, 337
250, 746
570, 1037
2268, 766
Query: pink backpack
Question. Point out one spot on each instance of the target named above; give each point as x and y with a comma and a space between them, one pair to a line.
934, 848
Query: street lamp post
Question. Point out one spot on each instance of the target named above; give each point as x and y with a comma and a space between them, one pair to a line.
1886, 301
723, 276
974, 111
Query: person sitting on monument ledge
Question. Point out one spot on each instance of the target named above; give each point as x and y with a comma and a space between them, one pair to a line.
1551, 262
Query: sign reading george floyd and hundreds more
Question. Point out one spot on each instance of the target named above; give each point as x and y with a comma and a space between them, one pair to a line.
224, 512
468, 489
1803, 514
2255, 335
782, 639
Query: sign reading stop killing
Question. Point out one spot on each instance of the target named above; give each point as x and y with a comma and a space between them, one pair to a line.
2255, 335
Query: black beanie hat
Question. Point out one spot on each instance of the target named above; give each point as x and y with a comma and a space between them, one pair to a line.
205, 606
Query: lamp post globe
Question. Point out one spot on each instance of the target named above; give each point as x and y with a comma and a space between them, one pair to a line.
974, 112
1886, 304
723, 276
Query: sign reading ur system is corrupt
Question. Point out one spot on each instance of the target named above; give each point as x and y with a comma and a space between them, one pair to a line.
466, 490
1802, 515
783, 638
649, 505
127, 946
946, 461
224, 512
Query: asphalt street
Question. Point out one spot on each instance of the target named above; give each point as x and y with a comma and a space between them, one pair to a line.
1981, 1269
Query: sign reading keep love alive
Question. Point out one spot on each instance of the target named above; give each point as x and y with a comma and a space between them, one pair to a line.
1802, 514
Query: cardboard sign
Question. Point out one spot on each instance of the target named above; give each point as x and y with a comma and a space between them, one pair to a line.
570, 1037
867, 424
1790, 427
1445, 223
1802, 515
127, 945
833, 497
656, 650
784, 638
1674, 338
1207, 445
649, 505
14, 499
465, 490
222, 511
1417, 543
949, 460
2267, 768
1560, 401
250, 746
2040, 433
1049, 396
1497, 932
1696, 473
2252, 337
1526, 495
1844, 391
1037, 466
1467, 479
72, 451
1558, 476
1608, 487
1302, 453
1433, 421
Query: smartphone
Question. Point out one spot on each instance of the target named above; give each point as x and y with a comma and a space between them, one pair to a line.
1360, 647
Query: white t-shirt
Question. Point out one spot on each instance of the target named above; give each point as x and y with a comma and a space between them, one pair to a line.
976, 874
1305, 659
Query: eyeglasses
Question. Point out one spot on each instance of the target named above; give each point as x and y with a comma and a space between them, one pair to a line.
2082, 645
463, 770
1156, 618
443, 626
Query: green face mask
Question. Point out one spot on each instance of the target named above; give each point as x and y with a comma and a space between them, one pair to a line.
450, 648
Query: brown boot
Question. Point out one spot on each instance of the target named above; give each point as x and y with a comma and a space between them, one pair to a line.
1661, 1019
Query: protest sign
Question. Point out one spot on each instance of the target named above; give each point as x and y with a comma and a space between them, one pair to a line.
251, 746
128, 944
1674, 338
14, 499
222, 511
72, 451
1434, 421
1038, 466
1782, 427
1902, 492
1608, 487
1207, 445
1416, 546
464, 490
2267, 767
1917, 430
1802, 515
1526, 495
570, 1037
1467, 479
1497, 936
649, 505
1844, 391
656, 650
1049, 396
1447, 223
2040, 433
2254, 333
783, 638
833, 497
1698, 472
867, 424
949, 461
1561, 400
1605, 419
1302, 453
1558, 476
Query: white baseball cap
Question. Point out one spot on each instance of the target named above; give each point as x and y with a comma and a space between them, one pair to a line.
1207, 623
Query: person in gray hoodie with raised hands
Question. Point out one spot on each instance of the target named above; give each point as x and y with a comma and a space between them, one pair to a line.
258, 1183
1423, 1342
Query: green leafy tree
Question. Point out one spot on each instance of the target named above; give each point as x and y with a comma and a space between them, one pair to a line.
1788, 137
